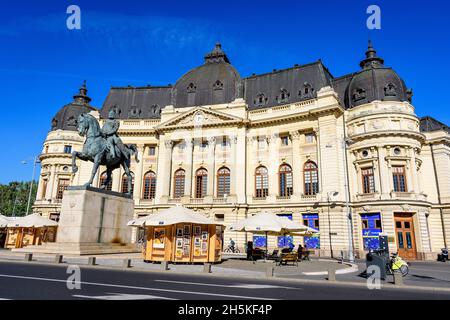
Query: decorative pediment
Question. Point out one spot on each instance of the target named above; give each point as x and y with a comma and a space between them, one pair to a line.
200, 117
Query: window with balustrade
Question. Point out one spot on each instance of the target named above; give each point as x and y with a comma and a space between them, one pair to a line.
311, 177
399, 177
368, 180
149, 190
223, 182
103, 177
125, 183
201, 183
178, 183
62, 186
285, 180
261, 182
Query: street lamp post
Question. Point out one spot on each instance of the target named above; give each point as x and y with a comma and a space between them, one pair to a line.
36, 161
351, 257
329, 195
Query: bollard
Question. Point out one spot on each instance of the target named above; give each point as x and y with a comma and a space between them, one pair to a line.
59, 258
127, 263
165, 265
269, 272
331, 275
91, 261
28, 257
398, 279
207, 268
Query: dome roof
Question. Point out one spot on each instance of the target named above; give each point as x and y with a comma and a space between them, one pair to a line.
67, 117
215, 82
375, 82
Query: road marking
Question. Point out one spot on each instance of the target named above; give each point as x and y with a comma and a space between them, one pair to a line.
241, 286
3, 299
137, 288
122, 297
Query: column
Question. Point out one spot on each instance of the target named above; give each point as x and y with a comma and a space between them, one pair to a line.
138, 175
52, 184
233, 165
296, 165
164, 170
189, 167
384, 173
415, 176
240, 165
210, 192
273, 165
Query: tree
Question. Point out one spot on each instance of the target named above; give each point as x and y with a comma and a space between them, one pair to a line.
14, 197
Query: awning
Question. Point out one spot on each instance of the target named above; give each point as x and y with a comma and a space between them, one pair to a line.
32, 221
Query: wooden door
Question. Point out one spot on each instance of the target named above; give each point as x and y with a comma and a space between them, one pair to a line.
406, 240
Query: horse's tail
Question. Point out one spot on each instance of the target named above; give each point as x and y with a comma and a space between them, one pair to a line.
135, 151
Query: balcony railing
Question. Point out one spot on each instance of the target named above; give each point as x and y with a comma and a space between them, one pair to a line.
197, 200
283, 198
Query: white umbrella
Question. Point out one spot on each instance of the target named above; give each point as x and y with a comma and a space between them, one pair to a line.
171, 216
268, 223
32, 221
307, 233
4, 221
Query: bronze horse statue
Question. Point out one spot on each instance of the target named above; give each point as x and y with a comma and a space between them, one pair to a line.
95, 149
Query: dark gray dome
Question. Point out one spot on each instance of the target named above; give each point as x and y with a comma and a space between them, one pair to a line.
215, 82
375, 82
67, 117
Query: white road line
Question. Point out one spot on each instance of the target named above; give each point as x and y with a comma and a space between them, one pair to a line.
137, 288
122, 297
241, 286
2, 299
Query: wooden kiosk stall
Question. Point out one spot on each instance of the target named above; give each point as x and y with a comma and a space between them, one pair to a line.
30, 230
181, 235
3, 224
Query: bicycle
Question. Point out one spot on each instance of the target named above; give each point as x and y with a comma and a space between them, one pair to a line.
397, 264
231, 249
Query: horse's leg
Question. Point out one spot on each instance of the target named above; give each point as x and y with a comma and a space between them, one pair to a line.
108, 178
75, 155
126, 167
97, 160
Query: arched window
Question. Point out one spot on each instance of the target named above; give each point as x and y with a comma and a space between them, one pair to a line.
125, 183
178, 185
261, 182
285, 176
149, 186
223, 182
311, 175
103, 180
201, 183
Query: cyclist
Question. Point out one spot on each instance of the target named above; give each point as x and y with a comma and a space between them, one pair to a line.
232, 244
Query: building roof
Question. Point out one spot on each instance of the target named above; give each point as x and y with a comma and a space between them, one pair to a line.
429, 124
216, 81
67, 117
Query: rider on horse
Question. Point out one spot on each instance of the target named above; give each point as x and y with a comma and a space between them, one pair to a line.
109, 132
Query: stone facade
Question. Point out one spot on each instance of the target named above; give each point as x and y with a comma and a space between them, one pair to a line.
315, 160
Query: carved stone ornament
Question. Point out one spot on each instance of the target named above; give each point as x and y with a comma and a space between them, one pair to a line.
134, 113
390, 90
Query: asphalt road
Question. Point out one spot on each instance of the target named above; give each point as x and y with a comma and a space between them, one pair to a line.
31, 281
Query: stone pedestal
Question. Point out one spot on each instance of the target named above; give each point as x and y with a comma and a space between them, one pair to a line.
92, 221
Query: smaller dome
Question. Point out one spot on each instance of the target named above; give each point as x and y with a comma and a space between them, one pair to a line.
67, 117
375, 82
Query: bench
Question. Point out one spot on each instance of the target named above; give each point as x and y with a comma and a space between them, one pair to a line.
286, 258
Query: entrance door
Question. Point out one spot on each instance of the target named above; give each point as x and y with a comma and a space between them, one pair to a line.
406, 240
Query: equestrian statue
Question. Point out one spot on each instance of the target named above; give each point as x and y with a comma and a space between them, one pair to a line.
104, 147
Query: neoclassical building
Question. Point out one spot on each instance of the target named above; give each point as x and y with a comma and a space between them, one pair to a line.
346, 155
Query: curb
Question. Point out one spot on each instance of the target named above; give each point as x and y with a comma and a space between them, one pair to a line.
386, 286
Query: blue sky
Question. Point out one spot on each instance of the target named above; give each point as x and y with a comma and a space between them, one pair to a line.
42, 63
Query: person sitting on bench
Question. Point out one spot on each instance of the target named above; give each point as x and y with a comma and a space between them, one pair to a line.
300, 252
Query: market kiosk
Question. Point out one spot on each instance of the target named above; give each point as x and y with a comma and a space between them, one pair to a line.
3, 224
30, 230
181, 235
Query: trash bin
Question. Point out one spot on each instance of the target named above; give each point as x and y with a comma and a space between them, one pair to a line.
379, 258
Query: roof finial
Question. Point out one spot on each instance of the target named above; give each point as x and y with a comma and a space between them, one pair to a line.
372, 60
82, 97
216, 55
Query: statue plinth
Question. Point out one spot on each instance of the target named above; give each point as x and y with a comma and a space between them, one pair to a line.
92, 221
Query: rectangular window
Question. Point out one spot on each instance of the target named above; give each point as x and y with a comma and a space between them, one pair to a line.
371, 229
224, 142
68, 149
62, 186
310, 138
284, 140
398, 174
204, 144
152, 151
368, 180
